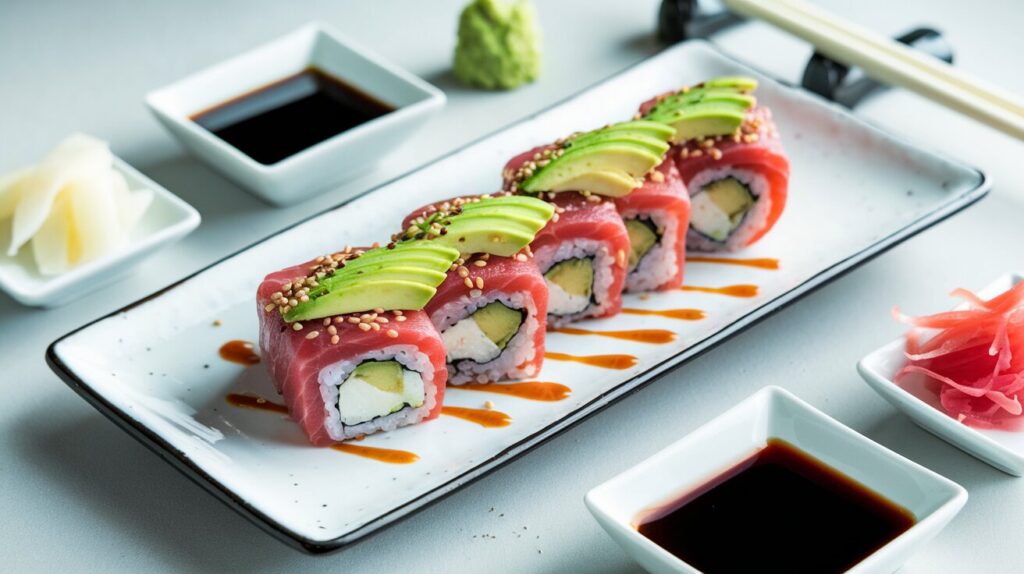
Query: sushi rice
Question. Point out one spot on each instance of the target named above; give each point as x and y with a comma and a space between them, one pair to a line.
562, 308
333, 376
661, 263
460, 333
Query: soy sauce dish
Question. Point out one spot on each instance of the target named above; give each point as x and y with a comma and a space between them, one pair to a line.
774, 485
298, 115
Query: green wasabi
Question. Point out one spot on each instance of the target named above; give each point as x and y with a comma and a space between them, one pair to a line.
499, 44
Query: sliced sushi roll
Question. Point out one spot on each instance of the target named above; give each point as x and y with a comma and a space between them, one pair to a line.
346, 342
584, 251
657, 217
491, 309
729, 155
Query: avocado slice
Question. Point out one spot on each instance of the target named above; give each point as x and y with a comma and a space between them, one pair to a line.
572, 169
384, 375
716, 107
497, 225
498, 322
642, 237
575, 276
404, 276
652, 135
720, 206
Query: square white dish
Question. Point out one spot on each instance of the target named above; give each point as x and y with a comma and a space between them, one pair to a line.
168, 219
331, 161
1002, 449
743, 430
165, 384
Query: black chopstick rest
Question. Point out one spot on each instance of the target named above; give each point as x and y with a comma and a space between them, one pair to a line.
849, 86
680, 20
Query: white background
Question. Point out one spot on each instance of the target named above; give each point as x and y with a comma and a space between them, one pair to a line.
77, 494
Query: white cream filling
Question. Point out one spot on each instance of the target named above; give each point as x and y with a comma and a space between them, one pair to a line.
709, 219
465, 340
359, 401
561, 302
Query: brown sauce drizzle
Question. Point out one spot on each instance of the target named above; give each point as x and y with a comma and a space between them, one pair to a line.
681, 314
652, 336
617, 362
763, 263
258, 403
482, 417
387, 455
730, 290
532, 390
241, 352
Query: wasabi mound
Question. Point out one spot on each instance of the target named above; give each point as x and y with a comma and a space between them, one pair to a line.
499, 44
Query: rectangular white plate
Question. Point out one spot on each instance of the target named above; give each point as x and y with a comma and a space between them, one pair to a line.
153, 367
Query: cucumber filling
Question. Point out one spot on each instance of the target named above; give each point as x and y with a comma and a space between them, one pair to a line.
719, 208
643, 236
377, 389
483, 335
570, 285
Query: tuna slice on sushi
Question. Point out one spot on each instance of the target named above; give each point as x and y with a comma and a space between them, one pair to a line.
491, 308
584, 251
346, 344
729, 154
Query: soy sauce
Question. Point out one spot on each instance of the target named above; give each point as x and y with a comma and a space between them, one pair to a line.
780, 510
279, 120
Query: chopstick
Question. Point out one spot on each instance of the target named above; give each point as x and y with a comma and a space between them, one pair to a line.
891, 62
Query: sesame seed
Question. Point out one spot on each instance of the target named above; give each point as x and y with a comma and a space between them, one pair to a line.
463, 272
297, 326
400, 318
697, 153
269, 307
657, 176
488, 405
364, 326
392, 333
480, 263
468, 282
378, 311
397, 312
313, 334
620, 258
327, 321
332, 330
353, 320
374, 326
479, 282
475, 293
716, 154
335, 339
381, 320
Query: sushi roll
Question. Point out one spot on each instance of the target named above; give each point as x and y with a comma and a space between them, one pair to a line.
657, 217
584, 251
491, 309
730, 157
346, 343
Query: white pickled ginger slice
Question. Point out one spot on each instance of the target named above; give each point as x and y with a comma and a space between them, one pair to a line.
55, 244
95, 221
10, 191
131, 205
78, 157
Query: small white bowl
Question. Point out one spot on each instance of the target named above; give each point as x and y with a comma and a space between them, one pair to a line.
743, 430
331, 161
1002, 449
167, 219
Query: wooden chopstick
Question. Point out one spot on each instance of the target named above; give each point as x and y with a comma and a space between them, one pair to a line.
891, 62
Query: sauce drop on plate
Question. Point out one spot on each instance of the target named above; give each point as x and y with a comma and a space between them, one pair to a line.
652, 336
761, 263
742, 290
681, 314
388, 455
279, 120
617, 362
483, 417
258, 403
238, 351
779, 510
531, 390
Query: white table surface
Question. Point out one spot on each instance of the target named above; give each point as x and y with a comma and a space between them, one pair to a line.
77, 494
